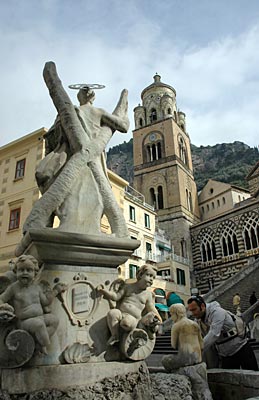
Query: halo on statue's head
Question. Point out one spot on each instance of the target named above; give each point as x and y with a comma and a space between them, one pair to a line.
86, 86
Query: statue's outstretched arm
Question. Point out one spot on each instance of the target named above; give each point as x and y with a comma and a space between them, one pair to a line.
69, 120
118, 120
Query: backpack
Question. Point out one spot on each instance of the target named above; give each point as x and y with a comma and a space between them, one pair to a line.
240, 324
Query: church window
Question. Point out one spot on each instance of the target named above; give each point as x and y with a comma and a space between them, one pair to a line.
153, 115
148, 153
159, 152
189, 200
182, 150
218, 203
202, 209
160, 198
224, 200
229, 244
251, 232
208, 248
153, 198
140, 122
208, 207
213, 205
169, 111
154, 155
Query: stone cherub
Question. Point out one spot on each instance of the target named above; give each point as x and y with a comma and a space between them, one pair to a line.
135, 308
73, 177
30, 300
186, 338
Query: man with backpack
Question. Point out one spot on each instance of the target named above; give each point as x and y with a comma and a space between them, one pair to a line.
225, 331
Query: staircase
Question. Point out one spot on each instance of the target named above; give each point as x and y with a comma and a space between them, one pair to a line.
162, 348
244, 283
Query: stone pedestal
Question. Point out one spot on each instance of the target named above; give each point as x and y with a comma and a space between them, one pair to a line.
83, 263
115, 380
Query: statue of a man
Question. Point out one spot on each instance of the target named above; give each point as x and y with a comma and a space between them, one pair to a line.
73, 177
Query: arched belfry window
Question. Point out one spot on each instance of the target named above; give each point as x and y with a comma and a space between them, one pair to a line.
189, 200
207, 248
229, 244
153, 146
148, 153
157, 197
153, 198
159, 151
140, 122
182, 150
153, 115
154, 151
169, 111
160, 198
251, 232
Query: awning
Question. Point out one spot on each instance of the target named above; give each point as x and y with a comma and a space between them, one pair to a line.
163, 246
159, 292
161, 307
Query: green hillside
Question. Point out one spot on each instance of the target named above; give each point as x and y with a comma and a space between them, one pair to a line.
226, 162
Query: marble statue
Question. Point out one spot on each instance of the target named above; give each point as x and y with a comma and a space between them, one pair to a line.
72, 177
29, 301
134, 314
186, 338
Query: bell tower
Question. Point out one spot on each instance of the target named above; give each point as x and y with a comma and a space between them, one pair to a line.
163, 170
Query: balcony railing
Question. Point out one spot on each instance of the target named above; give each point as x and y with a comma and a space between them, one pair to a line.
163, 257
138, 197
149, 256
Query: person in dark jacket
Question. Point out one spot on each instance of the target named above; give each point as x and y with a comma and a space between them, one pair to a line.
221, 330
252, 299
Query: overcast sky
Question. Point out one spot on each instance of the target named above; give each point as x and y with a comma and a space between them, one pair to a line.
206, 49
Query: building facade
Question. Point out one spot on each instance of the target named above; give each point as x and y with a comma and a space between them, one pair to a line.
18, 161
224, 244
218, 197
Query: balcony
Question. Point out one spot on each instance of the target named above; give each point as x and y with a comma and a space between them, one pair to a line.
173, 257
160, 258
149, 256
137, 253
137, 197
